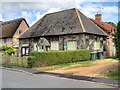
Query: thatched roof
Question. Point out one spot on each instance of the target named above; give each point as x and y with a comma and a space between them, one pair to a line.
9, 27
69, 21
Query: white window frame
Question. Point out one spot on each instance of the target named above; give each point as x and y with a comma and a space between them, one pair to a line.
69, 47
40, 48
54, 46
35, 47
97, 44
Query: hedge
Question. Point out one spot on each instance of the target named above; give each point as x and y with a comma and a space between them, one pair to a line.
37, 59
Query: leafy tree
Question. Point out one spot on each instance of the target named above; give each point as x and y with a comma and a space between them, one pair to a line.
112, 24
118, 39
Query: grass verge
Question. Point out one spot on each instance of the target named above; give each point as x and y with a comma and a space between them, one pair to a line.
67, 65
114, 75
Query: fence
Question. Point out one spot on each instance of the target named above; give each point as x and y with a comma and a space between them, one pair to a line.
14, 60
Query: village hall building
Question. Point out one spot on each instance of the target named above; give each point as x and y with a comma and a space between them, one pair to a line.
64, 30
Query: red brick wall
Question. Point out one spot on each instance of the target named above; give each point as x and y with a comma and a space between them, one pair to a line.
110, 46
23, 26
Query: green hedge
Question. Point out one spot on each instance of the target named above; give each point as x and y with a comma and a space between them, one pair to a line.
57, 57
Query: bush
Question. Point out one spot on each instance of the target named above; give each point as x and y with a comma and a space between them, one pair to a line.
54, 58
10, 51
3, 48
7, 49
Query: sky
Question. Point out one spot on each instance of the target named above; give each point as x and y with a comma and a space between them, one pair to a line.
33, 10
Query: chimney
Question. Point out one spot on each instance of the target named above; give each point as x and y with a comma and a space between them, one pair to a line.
98, 17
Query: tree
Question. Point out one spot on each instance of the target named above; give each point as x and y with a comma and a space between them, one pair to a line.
112, 24
118, 39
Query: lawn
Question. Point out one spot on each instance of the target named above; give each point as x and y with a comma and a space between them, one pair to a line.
114, 75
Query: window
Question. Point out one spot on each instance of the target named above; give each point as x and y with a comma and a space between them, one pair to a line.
55, 45
35, 47
5, 40
72, 45
40, 48
20, 31
25, 51
96, 44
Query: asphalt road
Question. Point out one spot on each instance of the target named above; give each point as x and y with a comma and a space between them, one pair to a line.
0, 79
13, 79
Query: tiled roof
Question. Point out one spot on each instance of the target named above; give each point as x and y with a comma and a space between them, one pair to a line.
69, 21
103, 25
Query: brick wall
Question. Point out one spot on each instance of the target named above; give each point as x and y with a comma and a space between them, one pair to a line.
23, 26
111, 50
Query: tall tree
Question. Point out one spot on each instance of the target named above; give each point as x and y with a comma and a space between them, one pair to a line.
112, 23
118, 39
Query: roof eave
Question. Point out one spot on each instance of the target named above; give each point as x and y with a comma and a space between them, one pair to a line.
62, 35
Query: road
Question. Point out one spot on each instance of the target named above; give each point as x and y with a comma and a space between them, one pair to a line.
13, 79
0, 78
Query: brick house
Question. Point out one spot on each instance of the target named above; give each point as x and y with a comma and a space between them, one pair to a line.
11, 31
109, 30
64, 30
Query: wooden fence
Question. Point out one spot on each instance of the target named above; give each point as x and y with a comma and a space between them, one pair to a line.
14, 60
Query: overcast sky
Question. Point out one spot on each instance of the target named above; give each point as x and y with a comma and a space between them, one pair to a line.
33, 11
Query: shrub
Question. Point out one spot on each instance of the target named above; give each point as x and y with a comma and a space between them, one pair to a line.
7, 49
10, 51
57, 57
3, 48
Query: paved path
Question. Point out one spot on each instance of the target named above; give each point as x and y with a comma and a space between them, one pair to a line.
13, 79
